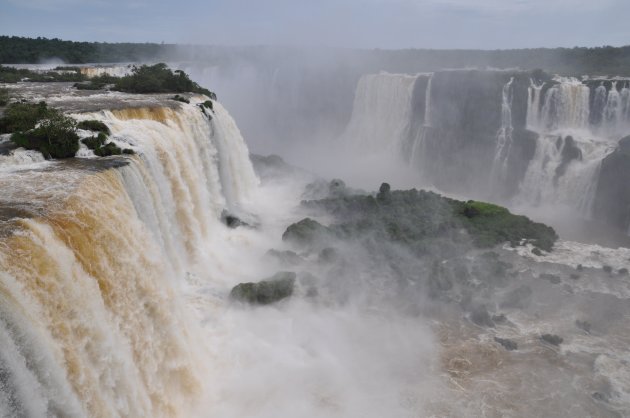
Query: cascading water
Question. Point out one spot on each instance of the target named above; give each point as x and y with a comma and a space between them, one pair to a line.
533, 105
504, 137
92, 322
554, 177
381, 114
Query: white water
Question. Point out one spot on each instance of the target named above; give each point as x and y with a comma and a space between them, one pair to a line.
566, 112
381, 114
504, 136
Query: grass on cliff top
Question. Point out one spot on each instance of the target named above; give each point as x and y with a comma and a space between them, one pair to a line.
411, 217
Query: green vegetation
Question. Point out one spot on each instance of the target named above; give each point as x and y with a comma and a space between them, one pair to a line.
55, 135
605, 60
94, 125
98, 143
490, 224
158, 78
4, 97
21, 117
14, 75
179, 98
418, 220
14, 49
95, 142
96, 83
108, 149
273, 289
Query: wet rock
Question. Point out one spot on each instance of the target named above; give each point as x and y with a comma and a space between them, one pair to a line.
232, 221
537, 252
499, 319
552, 339
481, 317
518, 298
384, 192
286, 257
328, 255
623, 271
574, 276
607, 269
273, 289
580, 267
337, 188
506, 343
612, 196
304, 232
552, 278
583, 325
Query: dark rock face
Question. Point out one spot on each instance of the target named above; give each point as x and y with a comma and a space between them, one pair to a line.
461, 136
506, 343
570, 152
552, 339
552, 278
612, 198
232, 221
304, 232
273, 289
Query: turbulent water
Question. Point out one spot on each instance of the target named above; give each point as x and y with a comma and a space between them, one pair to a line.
115, 275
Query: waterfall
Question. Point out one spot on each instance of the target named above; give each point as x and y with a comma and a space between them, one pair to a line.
504, 136
381, 114
419, 140
533, 105
566, 105
92, 322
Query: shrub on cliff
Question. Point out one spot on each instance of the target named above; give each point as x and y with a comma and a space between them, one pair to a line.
158, 78
490, 224
94, 125
23, 116
55, 136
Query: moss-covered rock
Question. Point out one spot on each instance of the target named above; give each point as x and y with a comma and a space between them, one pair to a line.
95, 142
108, 149
304, 232
273, 289
94, 125
419, 218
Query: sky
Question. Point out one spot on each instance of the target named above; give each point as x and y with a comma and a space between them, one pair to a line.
387, 24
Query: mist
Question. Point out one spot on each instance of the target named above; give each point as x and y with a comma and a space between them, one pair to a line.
390, 209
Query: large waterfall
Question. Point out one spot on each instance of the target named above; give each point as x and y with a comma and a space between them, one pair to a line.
505, 135
93, 319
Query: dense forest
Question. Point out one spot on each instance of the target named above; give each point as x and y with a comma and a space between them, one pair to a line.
606, 60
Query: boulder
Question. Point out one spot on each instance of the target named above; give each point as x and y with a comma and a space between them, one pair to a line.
304, 232
273, 289
552, 339
506, 343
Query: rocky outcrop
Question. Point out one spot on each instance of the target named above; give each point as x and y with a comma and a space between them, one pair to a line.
273, 289
612, 198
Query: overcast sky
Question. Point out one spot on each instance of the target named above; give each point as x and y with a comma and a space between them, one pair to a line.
484, 24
